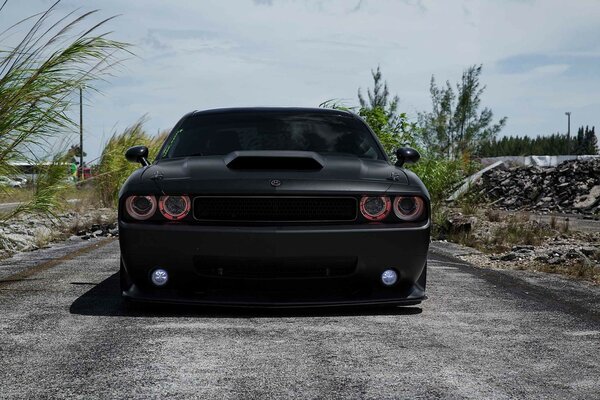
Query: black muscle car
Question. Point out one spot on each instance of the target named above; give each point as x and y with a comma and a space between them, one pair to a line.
274, 207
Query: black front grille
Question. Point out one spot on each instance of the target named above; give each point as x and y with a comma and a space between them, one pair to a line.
283, 209
256, 268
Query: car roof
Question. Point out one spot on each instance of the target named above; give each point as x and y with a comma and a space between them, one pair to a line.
293, 110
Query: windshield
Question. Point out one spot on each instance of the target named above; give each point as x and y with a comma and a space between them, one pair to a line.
222, 133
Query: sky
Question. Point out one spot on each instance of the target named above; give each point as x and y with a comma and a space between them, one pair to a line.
540, 58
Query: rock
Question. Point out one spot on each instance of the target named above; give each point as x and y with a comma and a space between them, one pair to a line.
589, 251
586, 201
97, 232
573, 253
459, 224
523, 248
555, 261
508, 257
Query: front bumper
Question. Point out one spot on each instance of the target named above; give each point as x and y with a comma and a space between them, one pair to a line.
184, 251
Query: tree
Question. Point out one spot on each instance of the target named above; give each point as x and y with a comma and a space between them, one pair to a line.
393, 129
457, 126
556, 144
579, 145
381, 113
74, 153
591, 141
378, 97
436, 126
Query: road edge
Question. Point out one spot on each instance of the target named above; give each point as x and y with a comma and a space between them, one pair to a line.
576, 297
25, 264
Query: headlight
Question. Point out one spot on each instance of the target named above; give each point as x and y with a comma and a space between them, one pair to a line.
408, 208
174, 207
140, 207
375, 208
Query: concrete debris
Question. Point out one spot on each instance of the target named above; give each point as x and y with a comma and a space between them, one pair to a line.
571, 187
471, 180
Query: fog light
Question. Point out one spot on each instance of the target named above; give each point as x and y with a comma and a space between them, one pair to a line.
389, 277
159, 277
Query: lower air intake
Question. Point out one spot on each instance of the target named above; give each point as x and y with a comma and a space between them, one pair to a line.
255, 268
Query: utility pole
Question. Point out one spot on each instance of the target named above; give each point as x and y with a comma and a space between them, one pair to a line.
568, 114
81, 174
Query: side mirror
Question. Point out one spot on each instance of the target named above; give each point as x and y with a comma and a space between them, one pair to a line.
406, 155
138, 154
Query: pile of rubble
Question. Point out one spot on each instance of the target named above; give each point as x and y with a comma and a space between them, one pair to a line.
571, 187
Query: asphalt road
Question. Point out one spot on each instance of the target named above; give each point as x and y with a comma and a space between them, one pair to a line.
8, 207
64, 333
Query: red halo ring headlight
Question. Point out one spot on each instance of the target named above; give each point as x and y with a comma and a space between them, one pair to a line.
409, 208
375, 208
140, 207
174, 208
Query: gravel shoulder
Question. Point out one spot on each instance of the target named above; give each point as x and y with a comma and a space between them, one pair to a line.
26, 233
567, 293
64, 333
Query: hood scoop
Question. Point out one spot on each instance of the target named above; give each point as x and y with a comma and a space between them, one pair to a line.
274, 160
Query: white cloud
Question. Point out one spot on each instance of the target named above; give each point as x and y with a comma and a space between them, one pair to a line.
547, 71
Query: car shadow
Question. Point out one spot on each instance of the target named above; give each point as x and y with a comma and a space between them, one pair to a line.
104, 300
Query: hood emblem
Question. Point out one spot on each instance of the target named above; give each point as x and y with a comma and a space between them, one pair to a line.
275, 182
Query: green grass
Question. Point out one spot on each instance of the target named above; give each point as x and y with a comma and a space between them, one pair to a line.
518, 233
439, 175
517, 230
10, 195
114, 169
579, 269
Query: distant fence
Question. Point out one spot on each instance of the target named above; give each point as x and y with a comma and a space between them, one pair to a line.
539, 161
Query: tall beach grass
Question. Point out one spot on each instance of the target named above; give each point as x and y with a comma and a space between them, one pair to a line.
53, 55
113, 169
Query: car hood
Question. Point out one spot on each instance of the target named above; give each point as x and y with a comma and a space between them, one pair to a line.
268, 172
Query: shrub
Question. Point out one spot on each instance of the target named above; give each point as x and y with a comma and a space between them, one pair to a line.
439, 175
114, 169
